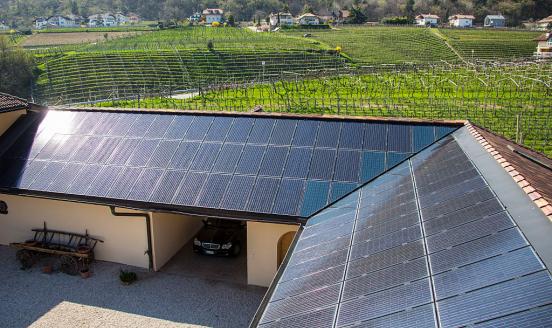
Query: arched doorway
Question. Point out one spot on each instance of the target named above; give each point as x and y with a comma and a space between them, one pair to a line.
283, 245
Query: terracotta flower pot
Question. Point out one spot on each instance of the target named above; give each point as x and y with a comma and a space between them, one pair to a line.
47, 268
85, 274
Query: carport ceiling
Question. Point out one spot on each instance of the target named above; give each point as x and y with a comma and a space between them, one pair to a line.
273, 167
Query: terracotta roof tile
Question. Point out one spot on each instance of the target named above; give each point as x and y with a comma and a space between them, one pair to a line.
522, 164
10, 103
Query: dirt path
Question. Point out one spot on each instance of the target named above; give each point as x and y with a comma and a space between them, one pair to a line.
446, 41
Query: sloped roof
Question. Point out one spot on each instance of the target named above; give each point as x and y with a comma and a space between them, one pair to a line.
494, 17
10, 103
531, 170
431, 243
543, 37
275, 167
422, 16
461, 17
545, 20
213, 11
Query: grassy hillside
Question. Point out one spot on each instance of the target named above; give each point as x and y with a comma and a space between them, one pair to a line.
491, 44
383, 44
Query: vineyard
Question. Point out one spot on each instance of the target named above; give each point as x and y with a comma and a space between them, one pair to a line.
512, 100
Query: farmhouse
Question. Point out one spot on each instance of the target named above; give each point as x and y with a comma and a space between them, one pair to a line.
545, 23
494, 21
61, 21
133, 18
102, 20
350, 220
308, 19
281, 19
461, 20
121, 18
544, 46
213, 15
427, 20
40, 23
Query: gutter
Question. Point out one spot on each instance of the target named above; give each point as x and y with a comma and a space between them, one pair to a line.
148, 230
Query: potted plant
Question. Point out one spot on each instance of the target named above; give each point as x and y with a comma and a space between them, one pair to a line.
85, 272
48, 268
127, 277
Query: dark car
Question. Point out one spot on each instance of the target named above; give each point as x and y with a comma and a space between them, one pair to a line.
219, 237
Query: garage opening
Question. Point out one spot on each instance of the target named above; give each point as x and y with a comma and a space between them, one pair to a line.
209, 248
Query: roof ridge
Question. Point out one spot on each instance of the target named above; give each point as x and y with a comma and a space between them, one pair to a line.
519, 179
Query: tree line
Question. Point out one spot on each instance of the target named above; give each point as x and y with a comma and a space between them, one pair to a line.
20, 13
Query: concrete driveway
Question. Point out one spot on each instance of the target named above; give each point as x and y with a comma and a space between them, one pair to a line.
162, 299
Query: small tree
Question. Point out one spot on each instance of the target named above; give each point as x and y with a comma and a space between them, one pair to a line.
210, 45
231, 20
307, 9
357, 16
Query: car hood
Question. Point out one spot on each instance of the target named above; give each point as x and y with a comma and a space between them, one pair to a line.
219, 236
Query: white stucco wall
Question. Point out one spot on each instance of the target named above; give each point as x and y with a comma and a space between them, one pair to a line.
7, 119
170, 232
125, 238
262, 250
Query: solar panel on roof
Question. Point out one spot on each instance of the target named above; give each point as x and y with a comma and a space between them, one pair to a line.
322, 164
219, 129
199, 127
273, 161
213, 190
239, 131
238, 192
422, 136
328, 134
109, 121
352, 134
65, 177
178, 127
147, 181
305, 133
104, 180
250, 159
123, 185
316, 196
159, 126
140, 126
143, 152
48, 174
228, 158
297, 165
260, 133
122, 126
347, 166
373, 164
163, 154
123, 151
167, 186
375, 137
84, 179
190, 187
205, 157
339, 189
263, 194
283, 132
184, 155
289, 197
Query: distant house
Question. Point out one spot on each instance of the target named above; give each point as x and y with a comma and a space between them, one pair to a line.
121, 18
133, 18
545, 23
461, 20
494, 21
343, 16
281, 19
427, 20
195, 18
40, 23
308, 19
3, 26
61, 21
109, 20
76, 19
213, 15
544, 46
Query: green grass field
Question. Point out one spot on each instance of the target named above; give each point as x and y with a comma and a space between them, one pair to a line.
495, 98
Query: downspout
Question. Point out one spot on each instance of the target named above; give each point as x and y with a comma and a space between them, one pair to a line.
148, 230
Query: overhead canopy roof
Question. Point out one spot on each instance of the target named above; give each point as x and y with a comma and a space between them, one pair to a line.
271, 167
427, 244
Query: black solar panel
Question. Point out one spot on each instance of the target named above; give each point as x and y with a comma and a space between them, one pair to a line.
482, 269
308, 162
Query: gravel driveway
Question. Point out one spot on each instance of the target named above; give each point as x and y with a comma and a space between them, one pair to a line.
157, 300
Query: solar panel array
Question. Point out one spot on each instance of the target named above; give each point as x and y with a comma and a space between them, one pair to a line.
425, 245
266, 165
